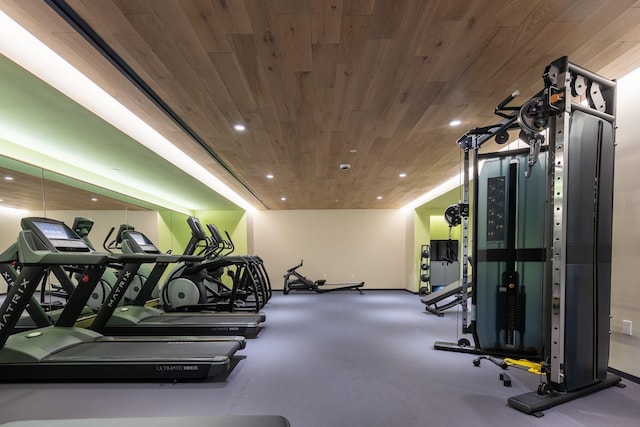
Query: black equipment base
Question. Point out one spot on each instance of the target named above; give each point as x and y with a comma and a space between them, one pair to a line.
452, 346
533, 403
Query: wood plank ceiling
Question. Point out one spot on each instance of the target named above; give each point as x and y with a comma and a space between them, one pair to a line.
318, 83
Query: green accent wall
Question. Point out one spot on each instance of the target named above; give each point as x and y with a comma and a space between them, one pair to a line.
440, 229
173, 231
232, 221
429, 224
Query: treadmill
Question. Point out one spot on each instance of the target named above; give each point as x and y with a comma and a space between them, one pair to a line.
112, 304
36, 315
70, 353
139, 319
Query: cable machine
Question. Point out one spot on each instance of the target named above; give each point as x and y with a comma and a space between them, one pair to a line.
542, 233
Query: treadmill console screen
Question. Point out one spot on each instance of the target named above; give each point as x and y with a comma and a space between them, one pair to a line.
52, 230
59, 236
142, 242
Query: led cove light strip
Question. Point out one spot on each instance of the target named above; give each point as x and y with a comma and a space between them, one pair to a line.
16, 211
446, 186
455, 181
30, 53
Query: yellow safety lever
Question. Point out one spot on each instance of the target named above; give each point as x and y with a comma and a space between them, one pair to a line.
533, 367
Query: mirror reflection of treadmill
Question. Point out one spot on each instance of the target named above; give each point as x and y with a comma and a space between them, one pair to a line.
144, 243
55, 353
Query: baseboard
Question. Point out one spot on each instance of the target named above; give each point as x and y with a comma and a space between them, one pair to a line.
624, 375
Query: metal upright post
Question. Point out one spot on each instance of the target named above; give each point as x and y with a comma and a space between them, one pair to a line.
464, 213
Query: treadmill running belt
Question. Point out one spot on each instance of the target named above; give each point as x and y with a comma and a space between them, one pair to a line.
187, 320
257, 317
149, 351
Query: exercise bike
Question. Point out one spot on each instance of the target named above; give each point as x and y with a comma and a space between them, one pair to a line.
294, 281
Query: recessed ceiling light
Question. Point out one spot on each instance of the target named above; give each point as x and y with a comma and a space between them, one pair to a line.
353, 151
270, 176
93, 199
403, 175
8, 178
379, 197
455, 122
239, 127
283, 198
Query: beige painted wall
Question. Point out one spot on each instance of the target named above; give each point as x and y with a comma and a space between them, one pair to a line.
10, 227
625, 304
339, 245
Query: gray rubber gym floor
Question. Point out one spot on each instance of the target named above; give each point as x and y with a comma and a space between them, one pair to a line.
340, 359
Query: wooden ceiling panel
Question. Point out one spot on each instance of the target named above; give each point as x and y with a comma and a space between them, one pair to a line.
315, 79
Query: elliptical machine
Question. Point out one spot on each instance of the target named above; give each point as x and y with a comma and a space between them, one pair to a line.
294, 281
200, 286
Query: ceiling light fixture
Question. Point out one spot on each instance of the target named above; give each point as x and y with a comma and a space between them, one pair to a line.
239, 127
270, 176
403, 175
379, 197
26, 50
8, 178
283, 198
455, 122
353, 150
93, 199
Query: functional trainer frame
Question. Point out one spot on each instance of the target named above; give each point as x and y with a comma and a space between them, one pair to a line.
575, 112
